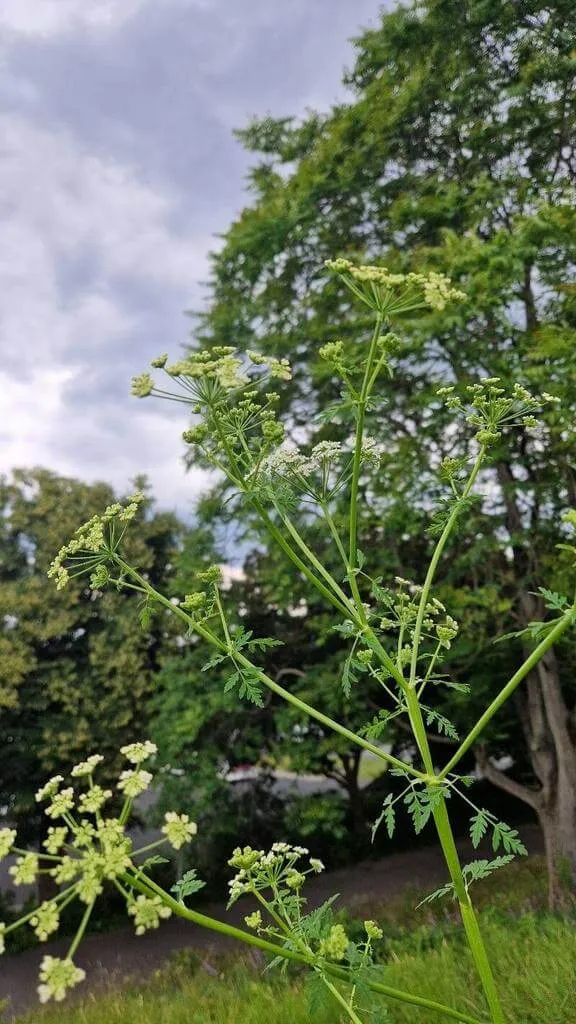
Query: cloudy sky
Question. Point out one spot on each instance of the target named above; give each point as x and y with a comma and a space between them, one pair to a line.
118, 168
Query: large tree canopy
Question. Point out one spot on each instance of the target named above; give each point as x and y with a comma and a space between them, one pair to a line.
455, 153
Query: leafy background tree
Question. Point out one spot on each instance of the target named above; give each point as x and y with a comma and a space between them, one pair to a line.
78, 674
455, 153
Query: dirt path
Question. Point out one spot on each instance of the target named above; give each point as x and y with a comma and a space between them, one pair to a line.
120, 954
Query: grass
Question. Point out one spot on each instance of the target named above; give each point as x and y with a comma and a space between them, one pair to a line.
533, 952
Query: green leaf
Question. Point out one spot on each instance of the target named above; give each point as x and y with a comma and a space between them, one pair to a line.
318, 922
146, 613
502, 833
349, 675
318, 996
264, 643
534, 630
478, 826
388, 815
216, 660
557, 602
187, 885
231, 681
251, 689
478, 869
422, 803
443, 724
459, 507
444, 890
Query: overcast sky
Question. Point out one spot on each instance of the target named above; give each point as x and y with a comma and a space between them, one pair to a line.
118, 168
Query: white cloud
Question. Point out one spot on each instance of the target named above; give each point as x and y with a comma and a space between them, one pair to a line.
52, 17
90, 252
33, 417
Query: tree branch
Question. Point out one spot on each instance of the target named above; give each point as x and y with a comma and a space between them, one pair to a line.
504, 782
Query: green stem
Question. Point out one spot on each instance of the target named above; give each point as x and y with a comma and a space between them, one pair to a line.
469, 919
307, 709
554, 635
335, 535
80, 933
149, 846
32, 913
290, 698
438, 551
147, 886
357, 459
340, 999
441, 818
348, 609
312, 578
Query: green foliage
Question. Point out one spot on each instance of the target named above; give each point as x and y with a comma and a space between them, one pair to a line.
534, 957
449, 155
187, 885
385, 175
77, 674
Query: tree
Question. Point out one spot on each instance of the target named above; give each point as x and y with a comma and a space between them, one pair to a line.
456, 154
77, 674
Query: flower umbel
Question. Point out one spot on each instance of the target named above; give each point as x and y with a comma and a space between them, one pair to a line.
178, 829
392, 294
57, 977
147, 912
85, 854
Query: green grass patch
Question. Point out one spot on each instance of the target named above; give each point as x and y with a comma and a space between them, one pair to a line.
424, 951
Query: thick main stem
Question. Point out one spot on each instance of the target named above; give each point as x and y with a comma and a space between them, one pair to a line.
446, 837
440, 813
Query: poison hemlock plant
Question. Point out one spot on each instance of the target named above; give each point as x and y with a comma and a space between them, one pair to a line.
398, 633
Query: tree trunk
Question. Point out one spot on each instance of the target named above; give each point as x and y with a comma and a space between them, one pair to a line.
355, 796
551, 741
558, 825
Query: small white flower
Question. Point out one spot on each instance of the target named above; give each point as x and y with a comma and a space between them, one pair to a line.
7, 840
55, 840
57, 976
61, 803
134, 782
86, 767
25, 870
50, 788
46, 920
147, 912
178, 829
94, 799
139, 752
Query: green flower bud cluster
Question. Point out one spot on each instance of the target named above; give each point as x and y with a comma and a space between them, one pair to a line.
85, 851
446, 632
335, 946
277, 368
93, 544
493, 408
373, 931
392, 294
280, 871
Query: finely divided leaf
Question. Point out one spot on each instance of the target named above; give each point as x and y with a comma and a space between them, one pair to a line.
187, 885
509, 838
478, 826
